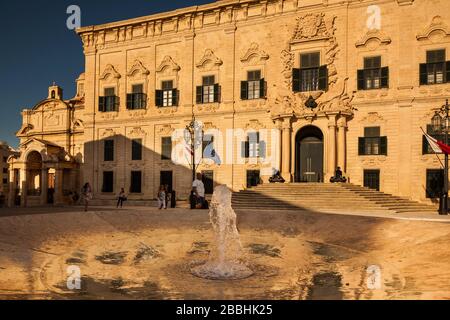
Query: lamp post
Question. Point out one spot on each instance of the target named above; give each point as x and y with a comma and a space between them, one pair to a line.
194, 139
440, 123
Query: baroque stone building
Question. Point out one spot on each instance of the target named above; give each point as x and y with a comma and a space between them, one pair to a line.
306, 86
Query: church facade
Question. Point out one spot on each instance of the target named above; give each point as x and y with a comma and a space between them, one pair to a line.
299, 87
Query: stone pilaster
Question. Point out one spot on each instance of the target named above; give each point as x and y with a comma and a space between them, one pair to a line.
342, 143
286, 150
331, 149
44, 186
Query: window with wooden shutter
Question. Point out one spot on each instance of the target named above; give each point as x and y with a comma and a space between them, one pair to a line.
423, 74
254, 84
323, 78
136, 149
361, 80
159, 98
108, 182
136, 182
108, 154
385, 77
175, 97
383, 146
263, 88
373, 76
244, 90
435, 68
216, 93
447, 71
372, 143
166, 148
101, 104
245, 150
199, 94
361, 146
262, 149
296, 80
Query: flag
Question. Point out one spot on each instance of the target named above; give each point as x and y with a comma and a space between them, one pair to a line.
210, 153
436, 145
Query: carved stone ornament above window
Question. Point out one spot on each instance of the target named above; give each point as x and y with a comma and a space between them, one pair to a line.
110, 71
108, 133
254, 55
209, 61
166, 130
168, 65
312, 26
138, 68
437, 27
254, 125
137, 132
283, 102
373, 36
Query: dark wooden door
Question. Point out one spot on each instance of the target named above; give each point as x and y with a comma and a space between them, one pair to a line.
208, 181
311, 160
167, 179
372, 179
253, 178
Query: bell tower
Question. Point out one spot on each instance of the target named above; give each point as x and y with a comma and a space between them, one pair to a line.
55, 92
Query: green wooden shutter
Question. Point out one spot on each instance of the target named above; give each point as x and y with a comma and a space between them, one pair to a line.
447, 71
361, 82
262, 149
244, 90
262, 88
216, 92
361, 146
385, 77
296, 80
423, 74
323, 78
101, 104
383, 146
116, 103
175, 97
130, 98
199, 95
159, 98
424, 145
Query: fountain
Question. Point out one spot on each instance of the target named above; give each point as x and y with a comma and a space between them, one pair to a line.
226, 259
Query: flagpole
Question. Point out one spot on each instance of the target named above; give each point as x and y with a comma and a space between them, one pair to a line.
445, 209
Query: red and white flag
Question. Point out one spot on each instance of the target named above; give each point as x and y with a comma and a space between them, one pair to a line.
436, 145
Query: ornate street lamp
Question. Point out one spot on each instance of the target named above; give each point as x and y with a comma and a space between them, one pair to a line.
440, 124
194, 137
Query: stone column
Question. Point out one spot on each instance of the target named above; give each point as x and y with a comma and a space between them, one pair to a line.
286, 150
58, 196
44, 186
342, 143
12, 188
331, 149
23, 184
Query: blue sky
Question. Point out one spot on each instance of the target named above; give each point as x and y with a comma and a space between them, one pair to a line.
39, 49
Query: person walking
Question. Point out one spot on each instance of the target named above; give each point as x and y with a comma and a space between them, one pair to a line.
86, 193
121, 198
162, 198
199, 188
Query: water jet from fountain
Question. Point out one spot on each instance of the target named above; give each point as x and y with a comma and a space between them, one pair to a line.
226, 259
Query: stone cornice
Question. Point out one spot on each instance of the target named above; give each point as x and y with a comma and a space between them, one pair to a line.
223, 13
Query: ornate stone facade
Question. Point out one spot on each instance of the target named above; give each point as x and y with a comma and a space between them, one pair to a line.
227, 39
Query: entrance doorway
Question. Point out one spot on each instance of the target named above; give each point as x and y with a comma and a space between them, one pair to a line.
309, 155
208, 181
372, 179
167, 179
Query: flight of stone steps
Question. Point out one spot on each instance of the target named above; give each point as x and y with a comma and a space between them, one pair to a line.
321, 197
